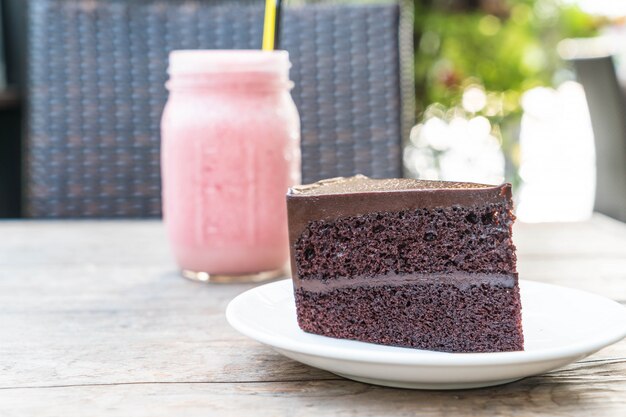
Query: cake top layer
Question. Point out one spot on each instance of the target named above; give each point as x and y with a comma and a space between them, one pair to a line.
361, 184
355, 196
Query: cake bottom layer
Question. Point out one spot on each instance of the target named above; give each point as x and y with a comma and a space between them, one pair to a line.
446, 317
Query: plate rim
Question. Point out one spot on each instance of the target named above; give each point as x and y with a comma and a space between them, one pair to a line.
420, 357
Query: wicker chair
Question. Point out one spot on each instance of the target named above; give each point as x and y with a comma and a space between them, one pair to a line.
97, 70
607, 108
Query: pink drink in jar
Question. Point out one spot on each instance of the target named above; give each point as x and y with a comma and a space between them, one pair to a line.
230, 150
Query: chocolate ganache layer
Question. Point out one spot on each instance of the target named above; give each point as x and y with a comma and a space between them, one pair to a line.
462, 280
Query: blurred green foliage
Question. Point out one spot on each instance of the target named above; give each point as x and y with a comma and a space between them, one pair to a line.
507, 46
503, 47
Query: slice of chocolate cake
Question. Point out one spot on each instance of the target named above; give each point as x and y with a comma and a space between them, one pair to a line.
422, 264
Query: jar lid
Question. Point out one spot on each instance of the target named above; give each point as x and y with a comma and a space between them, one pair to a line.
228, 61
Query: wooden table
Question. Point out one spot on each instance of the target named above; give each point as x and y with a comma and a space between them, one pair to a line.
95, 321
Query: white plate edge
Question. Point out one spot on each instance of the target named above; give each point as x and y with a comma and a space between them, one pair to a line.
416, 356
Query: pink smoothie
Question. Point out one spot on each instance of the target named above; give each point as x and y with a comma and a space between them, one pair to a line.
230, 150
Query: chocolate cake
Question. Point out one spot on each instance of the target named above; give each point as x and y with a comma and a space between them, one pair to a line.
401, 262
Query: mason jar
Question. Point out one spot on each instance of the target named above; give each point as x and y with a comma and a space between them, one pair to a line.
230, 149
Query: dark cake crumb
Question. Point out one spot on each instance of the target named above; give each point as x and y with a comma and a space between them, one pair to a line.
442, 317
439, 240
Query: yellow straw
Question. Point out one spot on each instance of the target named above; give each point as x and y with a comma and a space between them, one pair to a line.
269, 25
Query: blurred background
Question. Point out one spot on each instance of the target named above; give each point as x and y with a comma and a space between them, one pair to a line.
525, 91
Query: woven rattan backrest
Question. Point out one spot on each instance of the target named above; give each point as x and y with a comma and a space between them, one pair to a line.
96, 91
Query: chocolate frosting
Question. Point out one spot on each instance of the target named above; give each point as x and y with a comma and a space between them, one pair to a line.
363, 184
460, 279
355, 196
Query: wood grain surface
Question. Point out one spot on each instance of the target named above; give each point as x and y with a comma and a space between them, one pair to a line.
94, 320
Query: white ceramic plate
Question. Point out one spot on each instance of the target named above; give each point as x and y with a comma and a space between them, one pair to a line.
561, 325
